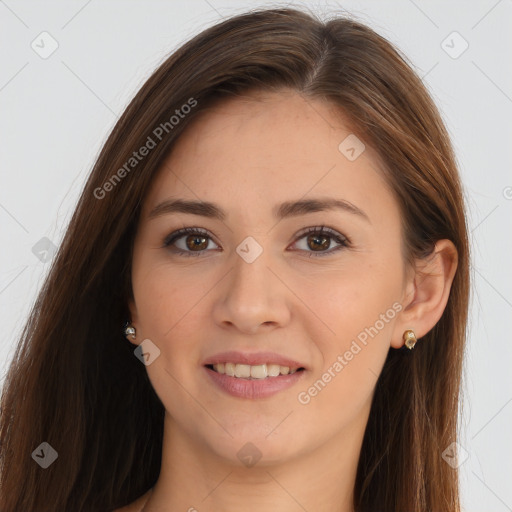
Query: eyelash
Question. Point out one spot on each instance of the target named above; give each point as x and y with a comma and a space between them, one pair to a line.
319, 230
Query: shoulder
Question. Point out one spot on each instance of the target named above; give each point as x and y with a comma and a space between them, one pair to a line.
135, 506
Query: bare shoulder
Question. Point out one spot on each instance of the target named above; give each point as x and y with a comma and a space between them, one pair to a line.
135, 506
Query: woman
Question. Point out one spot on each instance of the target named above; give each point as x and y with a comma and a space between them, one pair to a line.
309, 355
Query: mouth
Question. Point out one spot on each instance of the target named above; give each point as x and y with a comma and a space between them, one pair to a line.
253, 372
250, 382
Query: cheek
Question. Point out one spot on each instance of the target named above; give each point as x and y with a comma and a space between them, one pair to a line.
352, 358
165, 295
168, 305
359, 307
354, 297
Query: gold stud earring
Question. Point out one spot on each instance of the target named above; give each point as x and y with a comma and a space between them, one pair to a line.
410, 339
130, 331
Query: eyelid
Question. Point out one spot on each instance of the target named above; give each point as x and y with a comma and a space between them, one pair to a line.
175, 235
324, 229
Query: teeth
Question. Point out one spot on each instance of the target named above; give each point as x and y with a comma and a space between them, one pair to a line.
243, 371
258, 372
273, 370
246, 371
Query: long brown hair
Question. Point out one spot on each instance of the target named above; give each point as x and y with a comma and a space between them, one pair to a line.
74, 382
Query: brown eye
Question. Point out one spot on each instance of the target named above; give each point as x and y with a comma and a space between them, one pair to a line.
319, 239
196, 241
318, 242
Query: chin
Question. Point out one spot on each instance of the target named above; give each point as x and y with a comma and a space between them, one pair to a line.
252, 446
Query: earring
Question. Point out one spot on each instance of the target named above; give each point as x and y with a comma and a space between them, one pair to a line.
129, 330
410, 339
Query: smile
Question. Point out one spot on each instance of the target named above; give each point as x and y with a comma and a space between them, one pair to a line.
246, 371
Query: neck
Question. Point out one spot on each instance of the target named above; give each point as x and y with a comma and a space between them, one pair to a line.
192, 479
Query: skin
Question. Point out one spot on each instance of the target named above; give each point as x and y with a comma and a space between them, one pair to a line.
248, 155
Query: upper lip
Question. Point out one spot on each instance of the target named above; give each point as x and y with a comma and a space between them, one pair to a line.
253, 359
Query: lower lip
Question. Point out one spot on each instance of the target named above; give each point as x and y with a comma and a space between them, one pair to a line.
253, 388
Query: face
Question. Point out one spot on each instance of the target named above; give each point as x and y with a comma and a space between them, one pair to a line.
256, 282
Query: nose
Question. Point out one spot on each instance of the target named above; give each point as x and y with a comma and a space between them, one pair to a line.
252, 295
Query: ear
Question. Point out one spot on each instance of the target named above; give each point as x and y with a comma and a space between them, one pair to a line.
426, 292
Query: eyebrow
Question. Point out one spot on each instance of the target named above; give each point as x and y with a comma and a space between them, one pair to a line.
282, 211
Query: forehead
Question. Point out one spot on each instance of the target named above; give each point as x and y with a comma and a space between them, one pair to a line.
269, 147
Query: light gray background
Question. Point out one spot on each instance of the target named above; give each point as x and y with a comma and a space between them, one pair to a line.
57, 112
